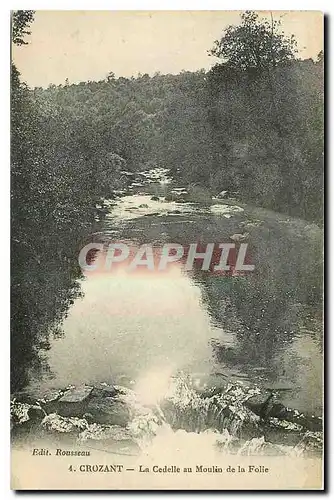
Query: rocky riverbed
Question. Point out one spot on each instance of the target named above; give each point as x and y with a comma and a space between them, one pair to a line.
239, 419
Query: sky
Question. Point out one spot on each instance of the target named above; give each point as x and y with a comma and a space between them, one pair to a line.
87, 45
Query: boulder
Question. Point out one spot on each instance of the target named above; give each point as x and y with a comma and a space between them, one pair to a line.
74, 401
222, 194
239, 237
260, 404
104, 391
34, 394
36, 414
114, 439
108, 411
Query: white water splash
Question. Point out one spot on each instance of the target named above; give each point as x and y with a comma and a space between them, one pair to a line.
139, 205
154, 436
226, 210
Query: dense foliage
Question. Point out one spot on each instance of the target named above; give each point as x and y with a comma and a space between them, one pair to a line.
255, 43
57, 178
257, 134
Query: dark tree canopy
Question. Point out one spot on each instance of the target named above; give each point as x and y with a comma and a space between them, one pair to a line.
21, 20
255, 43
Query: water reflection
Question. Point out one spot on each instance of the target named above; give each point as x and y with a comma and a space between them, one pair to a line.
269, 311
128, 324
264, 327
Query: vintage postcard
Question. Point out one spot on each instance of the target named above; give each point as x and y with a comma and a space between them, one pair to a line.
167, 250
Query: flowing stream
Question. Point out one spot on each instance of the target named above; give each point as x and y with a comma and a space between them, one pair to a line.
142, 330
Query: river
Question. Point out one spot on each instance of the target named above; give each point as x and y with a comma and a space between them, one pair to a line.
139, 329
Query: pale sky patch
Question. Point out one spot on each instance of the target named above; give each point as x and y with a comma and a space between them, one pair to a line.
87, 45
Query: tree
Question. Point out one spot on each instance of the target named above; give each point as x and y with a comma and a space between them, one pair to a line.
111, 76
21, 20
320, 57
254, 44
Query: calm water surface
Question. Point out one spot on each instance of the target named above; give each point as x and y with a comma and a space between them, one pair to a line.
263, 328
